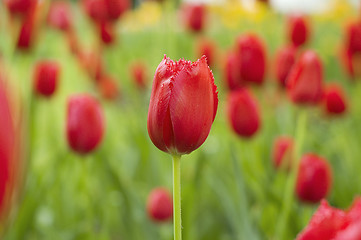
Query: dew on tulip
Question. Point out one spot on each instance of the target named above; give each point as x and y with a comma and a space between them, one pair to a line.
46, 77
335, 101
183, 105
243, 113
314, 178
285, 59
305, 81
298, 30
282, 152
160, 205
252, 58
85, 123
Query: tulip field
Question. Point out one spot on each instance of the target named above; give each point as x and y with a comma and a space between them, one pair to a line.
113, 125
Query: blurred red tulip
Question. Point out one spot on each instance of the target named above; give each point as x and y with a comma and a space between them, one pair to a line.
353, 37
314, 178
19, 7
231, 72
96, 10
85, 123
194, 16
351, 53
335, 101
26, 33
285, 59
282, 152
324, 224
92, 64
207, 48
107, 34
159, 205
108, 88
243, 113
138, 73
298, 30
252, 58
46, 78
183, 105
116, 8
305, 81
59, 15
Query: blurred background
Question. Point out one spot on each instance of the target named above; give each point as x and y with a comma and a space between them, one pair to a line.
232, 187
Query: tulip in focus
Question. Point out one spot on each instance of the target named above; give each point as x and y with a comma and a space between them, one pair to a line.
231, 72
59, 16
194, 16
335, 224
182, 106
85, 123
314, 178
305, 81
335, 101
138, 72
159, 205
243, 113
46, 78
298, 30
252, 58
282, 152
285, 59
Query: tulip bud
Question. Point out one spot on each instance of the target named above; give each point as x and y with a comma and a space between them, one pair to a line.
231, 73
194, 17
252, 58
59, 16
305, 81
243, 113
108, 88
285, 59
335, 102
353, 37
85, 123
324, 224
19, 7
207, 48
298, 30
139, 74
96, 10
46, 78
183, 105
314, 178
282, 152
159, 205
26, 34
107, 34
116, 8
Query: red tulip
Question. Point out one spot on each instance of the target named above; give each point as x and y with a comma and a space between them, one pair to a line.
353, 37
59, 15
207, 48
19, 7
92, 64
351, 53
325, 223
243, 113
335, 102
298, 30
194, 17
116, 8
159, 205
285, 59
46, 78
252, 58
108, 88
96, 10
139, 74
183, 105
231, 72
305, 81
282, 152
107, 34
314, 178
85, 123
332, 223
26, 33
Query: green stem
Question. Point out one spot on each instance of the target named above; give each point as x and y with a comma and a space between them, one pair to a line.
291, 181
177, 198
